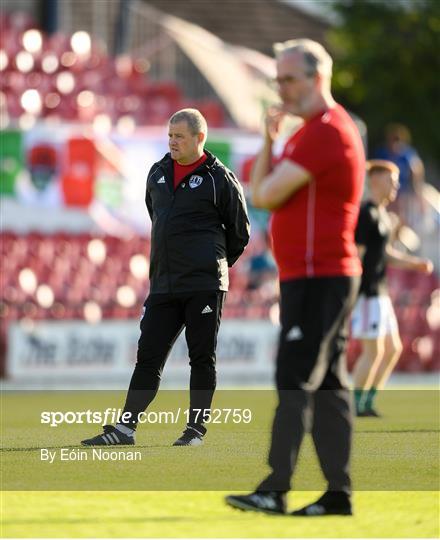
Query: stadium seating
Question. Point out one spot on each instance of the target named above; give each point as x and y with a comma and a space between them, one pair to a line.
413, 295
71, 78
65, 276
81, 268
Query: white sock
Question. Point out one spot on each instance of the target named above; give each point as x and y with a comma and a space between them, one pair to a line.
125, 430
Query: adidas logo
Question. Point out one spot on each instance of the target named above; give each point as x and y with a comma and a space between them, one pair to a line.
294, 334
111, 438
264, 501
161, 180
207, 309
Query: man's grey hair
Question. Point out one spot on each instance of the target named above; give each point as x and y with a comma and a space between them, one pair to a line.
316, 58
194, 118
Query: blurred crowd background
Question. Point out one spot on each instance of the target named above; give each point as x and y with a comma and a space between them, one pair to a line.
86, 89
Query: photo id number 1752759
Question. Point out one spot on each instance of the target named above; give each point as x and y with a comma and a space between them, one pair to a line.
221, 416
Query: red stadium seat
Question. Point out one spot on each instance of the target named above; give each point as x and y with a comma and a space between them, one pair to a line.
121, 83
213, 111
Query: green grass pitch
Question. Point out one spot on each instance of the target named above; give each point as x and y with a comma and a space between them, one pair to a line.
395, 470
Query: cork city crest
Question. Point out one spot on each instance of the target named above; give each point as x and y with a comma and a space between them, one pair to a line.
195, 181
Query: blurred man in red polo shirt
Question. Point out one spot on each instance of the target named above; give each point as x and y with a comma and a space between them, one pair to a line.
314, 193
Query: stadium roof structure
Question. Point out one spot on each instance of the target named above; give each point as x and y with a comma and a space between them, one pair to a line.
255, 24
244, 90
231, 47
239, 76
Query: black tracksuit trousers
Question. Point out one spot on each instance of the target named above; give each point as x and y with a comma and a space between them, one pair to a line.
164, 318
311, 380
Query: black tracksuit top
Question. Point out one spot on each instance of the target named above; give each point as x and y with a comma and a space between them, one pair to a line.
198, 229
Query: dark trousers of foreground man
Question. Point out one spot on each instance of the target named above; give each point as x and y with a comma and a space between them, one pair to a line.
311, 377
165, 317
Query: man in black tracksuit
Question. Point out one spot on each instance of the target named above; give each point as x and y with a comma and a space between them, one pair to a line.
200, 227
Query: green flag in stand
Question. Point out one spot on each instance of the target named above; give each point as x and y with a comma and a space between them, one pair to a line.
221, 149
109, 188
11, 160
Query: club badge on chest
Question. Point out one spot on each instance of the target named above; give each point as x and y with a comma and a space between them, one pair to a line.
195, 181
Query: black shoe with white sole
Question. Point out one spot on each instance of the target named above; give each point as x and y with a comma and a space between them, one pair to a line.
111, 436
332, 503
192, 436
268, 502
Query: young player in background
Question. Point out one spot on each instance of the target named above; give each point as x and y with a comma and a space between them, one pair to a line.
374, 321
